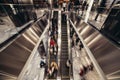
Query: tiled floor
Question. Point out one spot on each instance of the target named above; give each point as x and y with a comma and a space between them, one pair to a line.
77, 54
5, 28
34, 71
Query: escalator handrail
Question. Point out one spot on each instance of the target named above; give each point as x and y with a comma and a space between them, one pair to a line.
7, 42
22, 73
69, 49
89, 53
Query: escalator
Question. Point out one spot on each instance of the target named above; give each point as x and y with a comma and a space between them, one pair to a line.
53, 57
64, 50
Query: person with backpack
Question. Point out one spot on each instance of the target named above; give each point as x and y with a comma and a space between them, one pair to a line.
42, 63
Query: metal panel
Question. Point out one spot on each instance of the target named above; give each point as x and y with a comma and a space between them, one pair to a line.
87, 31
6, 77
90, 37
14, 57
107, 55
37, 30
105, 52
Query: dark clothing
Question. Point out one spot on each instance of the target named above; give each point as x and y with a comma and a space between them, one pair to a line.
81, 72
84, 5
42, 64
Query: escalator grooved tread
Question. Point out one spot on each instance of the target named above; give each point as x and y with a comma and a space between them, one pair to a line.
52, 56
64, 50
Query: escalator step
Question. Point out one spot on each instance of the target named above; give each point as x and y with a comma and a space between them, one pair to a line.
64, 38
64, 45
64, 34
65, 42
64, 50
65, 78
64, 56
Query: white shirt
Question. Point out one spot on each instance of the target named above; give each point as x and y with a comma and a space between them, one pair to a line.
64, 4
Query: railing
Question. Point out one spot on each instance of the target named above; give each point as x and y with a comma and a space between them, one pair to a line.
59, 43
69, 50
7, 42
20, 77
97, 67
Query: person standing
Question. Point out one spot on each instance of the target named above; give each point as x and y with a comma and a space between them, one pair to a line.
64, 6
68, 63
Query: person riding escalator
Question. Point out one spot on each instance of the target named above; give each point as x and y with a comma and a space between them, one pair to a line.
52, 70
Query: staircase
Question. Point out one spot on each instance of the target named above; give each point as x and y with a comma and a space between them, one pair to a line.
64, 50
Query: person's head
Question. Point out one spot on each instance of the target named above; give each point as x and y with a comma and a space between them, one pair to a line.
52, 65
69, 61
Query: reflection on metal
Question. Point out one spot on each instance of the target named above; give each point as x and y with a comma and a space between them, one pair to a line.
31, 35
97, 67
25, 1
84, 30
37, 30
5, 44
13, 9
90, 37
14, 56
69, 48
114, 73
97, 37
83, 24
88, 10
28, 39
26, 48
23, 41
22, 73
114, 76
6, 77
34, 33
59, 42
105, 52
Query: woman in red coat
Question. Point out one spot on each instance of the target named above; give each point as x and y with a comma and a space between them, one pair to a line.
52, 42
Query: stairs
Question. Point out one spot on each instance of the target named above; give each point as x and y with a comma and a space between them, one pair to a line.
64, 50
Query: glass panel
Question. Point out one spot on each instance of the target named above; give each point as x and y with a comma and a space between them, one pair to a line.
111, 26
99, 12
15, 17
41, 4
16, 1
6, 25
13, 58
